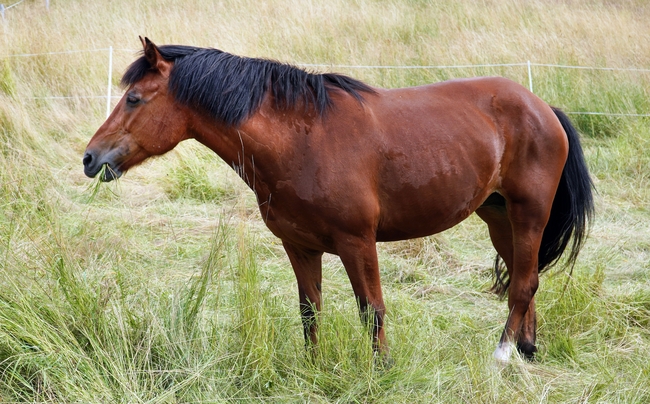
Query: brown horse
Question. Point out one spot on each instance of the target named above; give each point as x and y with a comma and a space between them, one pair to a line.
337, 165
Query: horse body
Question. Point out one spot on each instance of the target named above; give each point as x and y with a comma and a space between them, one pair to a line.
363, 170
388, 165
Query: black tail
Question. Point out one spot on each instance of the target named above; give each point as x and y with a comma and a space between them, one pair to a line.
573, 209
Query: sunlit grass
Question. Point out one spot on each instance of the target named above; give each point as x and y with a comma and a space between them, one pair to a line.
165, 286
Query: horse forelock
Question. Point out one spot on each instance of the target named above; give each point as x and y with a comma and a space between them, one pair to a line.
231, 88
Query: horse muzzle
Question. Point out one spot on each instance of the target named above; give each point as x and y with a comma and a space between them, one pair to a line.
93, 165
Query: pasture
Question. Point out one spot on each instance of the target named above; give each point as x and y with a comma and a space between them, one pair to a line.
166, 287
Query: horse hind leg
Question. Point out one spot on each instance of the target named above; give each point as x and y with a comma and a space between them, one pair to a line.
527, 336
528, 221
495, 214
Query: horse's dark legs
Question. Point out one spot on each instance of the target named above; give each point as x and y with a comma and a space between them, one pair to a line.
359, 257
527, 336
307, 265
500, 230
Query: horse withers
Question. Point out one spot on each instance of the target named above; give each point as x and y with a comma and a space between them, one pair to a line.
337, 165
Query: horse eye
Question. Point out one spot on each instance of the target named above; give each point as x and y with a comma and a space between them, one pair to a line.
132, 100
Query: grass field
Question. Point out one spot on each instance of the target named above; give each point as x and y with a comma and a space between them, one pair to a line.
166, 287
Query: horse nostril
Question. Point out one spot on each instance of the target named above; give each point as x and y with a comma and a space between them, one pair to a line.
88, 158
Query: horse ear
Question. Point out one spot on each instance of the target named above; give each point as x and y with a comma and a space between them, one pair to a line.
155, 59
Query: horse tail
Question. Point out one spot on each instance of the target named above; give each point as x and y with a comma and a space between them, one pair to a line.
573, 206
572, 210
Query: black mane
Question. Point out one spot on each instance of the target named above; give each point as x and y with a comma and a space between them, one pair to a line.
232, 88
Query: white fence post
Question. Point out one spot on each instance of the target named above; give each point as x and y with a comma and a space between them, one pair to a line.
530, 78
110, 81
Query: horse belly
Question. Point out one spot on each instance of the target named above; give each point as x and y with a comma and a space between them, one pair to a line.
425, 211
426, 194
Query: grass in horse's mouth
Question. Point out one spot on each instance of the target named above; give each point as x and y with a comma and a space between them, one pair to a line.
95, 186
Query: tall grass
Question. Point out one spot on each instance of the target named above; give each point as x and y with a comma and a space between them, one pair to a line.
166, 286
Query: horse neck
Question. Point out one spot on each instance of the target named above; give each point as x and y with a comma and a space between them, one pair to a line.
253, 149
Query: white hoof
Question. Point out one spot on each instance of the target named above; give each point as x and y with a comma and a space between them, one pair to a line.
503, 352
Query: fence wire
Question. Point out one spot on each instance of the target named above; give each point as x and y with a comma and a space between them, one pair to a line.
529, 65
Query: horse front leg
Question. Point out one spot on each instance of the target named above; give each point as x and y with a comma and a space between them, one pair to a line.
359, 257
307, 265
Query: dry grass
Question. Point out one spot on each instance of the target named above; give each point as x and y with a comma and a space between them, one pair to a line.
166, 287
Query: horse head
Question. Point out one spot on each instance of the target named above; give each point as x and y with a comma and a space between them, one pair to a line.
146, 121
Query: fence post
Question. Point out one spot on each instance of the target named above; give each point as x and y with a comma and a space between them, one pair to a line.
530, 78
110, 81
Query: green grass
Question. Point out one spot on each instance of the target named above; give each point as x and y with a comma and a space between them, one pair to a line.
166, 287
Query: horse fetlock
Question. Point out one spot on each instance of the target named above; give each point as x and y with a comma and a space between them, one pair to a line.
503, 352
527, 350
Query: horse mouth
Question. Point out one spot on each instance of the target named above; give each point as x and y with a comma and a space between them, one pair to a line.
108, 174
107, 171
